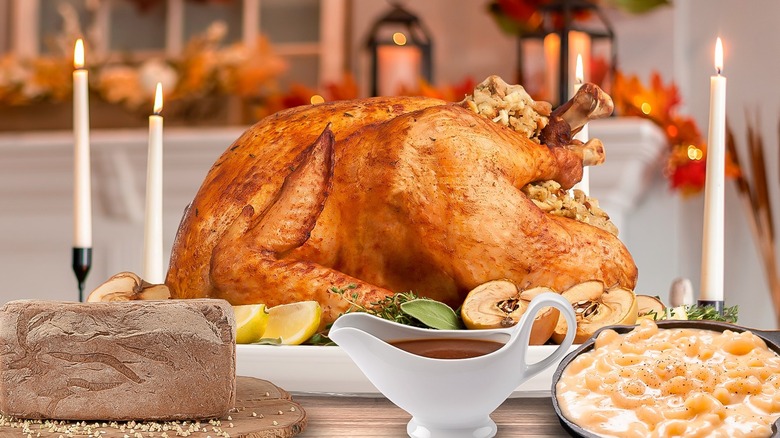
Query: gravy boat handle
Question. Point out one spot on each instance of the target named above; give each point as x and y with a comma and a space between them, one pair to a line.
523, 335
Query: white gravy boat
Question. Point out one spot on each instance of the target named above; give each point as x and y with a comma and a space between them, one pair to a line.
450, 398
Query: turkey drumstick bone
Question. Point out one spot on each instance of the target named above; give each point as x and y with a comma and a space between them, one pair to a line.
590, 103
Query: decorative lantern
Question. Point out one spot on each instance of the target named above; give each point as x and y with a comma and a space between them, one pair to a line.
400, 49
569, 28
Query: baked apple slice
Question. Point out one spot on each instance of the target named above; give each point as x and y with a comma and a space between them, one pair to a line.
127, 286
596, 306
499, 304
650, 307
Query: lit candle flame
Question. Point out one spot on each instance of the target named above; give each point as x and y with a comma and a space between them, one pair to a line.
78, 54
718, 55
399, 38
579, 75
158, 99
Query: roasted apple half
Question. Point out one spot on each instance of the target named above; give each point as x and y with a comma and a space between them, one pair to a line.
596, 306
127, 286
650, 307
500, 304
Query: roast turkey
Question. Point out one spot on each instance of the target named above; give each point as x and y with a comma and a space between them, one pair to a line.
396, 194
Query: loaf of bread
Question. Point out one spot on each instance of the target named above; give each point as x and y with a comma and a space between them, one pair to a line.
136, 360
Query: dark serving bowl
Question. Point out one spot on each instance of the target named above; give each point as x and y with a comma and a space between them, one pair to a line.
771, 337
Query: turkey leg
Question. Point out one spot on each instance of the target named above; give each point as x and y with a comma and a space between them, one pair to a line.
249, 257
590, 103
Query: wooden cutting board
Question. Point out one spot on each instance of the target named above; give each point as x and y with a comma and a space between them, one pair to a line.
263, 410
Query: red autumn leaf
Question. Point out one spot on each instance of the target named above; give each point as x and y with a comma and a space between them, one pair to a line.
689, 177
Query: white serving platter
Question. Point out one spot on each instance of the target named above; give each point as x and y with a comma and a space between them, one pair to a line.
310, 369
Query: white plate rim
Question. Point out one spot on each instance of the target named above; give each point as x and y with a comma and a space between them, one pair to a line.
328, 370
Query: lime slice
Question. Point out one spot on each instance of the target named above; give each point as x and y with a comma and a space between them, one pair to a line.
293, 323
251, 321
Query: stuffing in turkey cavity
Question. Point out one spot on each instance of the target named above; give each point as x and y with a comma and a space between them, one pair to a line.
550, 198
509, 105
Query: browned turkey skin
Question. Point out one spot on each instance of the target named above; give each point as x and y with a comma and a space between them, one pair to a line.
395, 194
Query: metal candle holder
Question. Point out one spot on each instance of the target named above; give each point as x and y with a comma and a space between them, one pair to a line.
82, 262
718, 305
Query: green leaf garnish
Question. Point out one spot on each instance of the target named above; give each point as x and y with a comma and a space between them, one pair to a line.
268, 341
319, 339
433, 314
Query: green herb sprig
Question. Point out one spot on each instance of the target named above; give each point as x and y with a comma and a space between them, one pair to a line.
404, 308
697, 312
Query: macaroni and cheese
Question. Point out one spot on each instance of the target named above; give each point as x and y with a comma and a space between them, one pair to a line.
653, 382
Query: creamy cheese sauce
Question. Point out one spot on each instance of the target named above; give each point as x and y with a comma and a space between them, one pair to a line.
655, 382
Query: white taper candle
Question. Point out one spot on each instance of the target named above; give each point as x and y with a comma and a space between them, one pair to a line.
153, 229
82, 192
584, 183
712, 264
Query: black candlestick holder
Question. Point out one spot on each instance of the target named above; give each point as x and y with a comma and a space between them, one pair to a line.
82, 261
718, 305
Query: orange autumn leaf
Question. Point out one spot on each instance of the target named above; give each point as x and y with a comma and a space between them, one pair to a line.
665, 98
298, 95
450, 93
197, 72
53, 74
658, 102
683, 130
255, 74
345, 90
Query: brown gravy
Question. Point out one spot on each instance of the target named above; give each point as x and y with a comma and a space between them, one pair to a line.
448, 348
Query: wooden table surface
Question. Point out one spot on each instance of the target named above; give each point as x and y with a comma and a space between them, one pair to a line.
378, 417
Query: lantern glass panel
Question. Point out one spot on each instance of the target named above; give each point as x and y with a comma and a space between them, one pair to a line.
399, 68
602, 67
532, 70
385, 34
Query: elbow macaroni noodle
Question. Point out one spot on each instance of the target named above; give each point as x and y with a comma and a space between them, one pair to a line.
655, 382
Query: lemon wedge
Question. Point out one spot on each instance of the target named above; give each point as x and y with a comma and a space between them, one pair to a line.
677, 313
293, 323
251, 322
